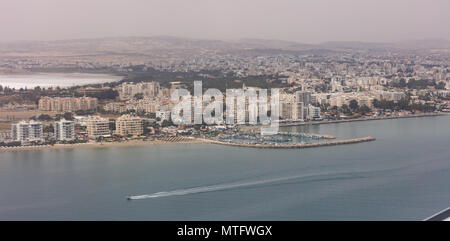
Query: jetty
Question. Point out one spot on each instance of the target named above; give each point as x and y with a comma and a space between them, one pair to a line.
295, 146
310, 135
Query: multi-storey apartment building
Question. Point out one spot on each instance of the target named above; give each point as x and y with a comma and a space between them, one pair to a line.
147, 89
129, 125
145, 105
288, 107
97, 127
67, 104
64, 130
313, 112
5, 136
27, 131
116, 107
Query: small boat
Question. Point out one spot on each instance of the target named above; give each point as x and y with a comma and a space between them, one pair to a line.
443, 215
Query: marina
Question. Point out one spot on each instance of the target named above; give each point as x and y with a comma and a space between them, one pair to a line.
297, 145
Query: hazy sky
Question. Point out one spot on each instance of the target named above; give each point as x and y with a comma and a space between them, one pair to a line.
308, 21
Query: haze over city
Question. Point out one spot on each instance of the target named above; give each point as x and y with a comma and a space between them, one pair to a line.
299, 21
222, 110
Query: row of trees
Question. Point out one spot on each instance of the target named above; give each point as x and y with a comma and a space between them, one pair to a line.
10, 144
354, 107
351, 109
418, 84
403, 104
45, 117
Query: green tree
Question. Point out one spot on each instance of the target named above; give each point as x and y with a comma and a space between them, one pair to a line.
354, 105
139, 96
49, 129
42, 117
401, 83
112, 124
68, 116
346, 110
364, 109
440, 86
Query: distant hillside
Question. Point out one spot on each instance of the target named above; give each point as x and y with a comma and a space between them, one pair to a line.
175, 45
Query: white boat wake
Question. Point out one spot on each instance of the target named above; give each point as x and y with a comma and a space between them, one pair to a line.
228, 186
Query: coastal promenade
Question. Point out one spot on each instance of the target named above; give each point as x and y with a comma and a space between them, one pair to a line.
183, 140
294, 146
254, 127
362, 119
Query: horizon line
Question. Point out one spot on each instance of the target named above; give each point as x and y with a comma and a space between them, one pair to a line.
222, 40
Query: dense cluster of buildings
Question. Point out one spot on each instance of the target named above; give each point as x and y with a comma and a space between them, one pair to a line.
363, 98
294, 106
315, 84
65, 130
298, 107
146, 89
142, 105
32, 131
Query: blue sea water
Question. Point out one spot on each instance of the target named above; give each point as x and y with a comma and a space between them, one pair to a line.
403, 175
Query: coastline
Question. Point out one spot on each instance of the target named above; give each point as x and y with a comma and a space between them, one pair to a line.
246, 128
367, 119
297, 146
66, 79
193, 140
166, 141
181, 141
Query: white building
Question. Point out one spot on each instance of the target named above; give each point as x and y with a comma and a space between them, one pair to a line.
365, 100
64, 130
163, 115
5, 136
314, 112
27, 131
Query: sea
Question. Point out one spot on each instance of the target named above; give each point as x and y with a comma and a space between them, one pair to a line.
46, 80
403, 175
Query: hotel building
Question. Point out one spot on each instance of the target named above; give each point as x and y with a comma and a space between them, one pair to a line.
129, 125
64, 130
27, 131
97, 127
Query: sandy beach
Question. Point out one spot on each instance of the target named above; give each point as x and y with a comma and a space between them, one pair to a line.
165, 141
193, 140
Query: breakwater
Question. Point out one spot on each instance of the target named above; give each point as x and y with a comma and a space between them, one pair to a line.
292, 146
316, 136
